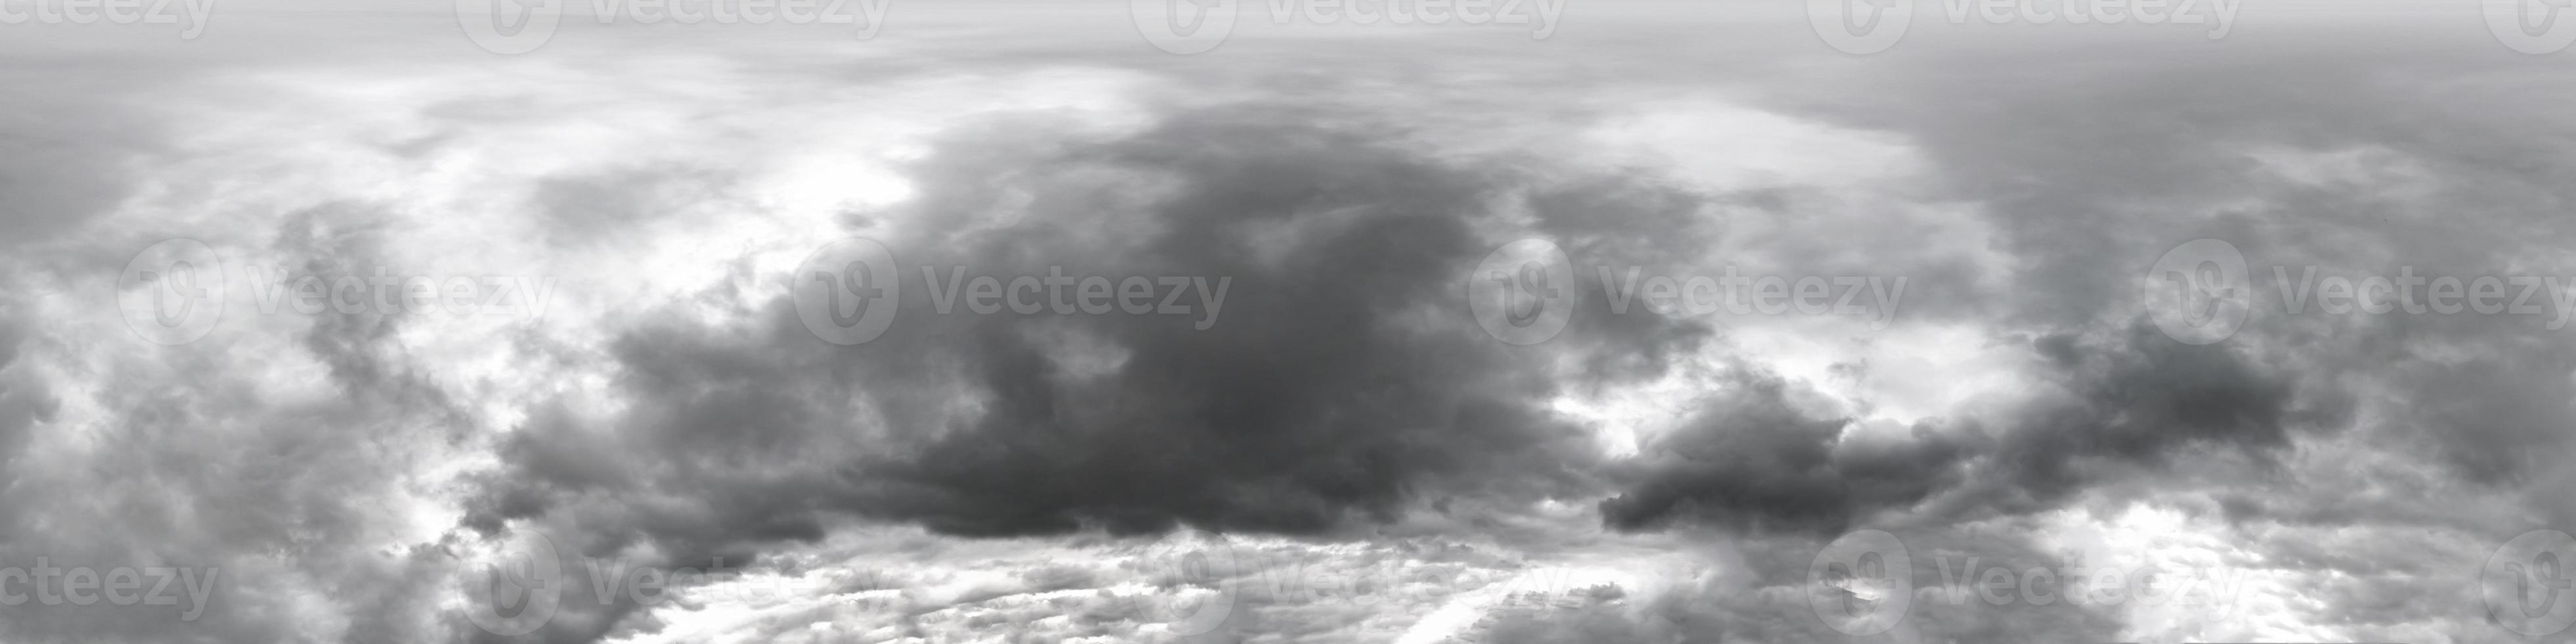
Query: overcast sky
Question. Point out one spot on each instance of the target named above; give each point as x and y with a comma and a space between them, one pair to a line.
1548, 321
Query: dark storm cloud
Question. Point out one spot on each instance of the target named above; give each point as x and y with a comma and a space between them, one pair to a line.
1324, 398
1344, 383
1754, 459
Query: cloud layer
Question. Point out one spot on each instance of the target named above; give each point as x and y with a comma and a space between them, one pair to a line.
1366, 462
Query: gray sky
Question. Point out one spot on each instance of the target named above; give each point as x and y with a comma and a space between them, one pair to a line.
1436, 333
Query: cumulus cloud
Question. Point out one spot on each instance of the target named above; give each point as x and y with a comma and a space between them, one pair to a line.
1372, 465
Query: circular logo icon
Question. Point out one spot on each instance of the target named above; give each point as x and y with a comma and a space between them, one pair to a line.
1862, 583
1523, 293
518, 591
509, 26
1187, 558
846, 292
172, 292
1184, 26
1860, 27
2199, 292
2516, 25
2529, 584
